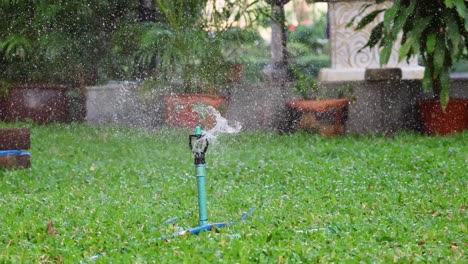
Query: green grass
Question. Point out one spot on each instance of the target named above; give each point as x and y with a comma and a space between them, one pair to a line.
344, 199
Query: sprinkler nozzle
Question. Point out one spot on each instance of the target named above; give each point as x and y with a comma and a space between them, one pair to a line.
201, 146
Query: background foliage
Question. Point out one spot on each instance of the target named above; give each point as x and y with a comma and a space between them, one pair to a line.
436, 30
57, 41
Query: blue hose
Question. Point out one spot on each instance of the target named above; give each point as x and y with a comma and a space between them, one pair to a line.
209, 227
14, 152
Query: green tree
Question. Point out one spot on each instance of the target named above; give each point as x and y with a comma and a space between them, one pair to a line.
185, 48
58, 40
436, 30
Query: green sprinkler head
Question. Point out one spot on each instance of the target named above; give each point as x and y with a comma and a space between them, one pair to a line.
201, 146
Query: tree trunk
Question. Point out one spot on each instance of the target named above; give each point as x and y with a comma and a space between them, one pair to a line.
278, 69
147, 11
436, 88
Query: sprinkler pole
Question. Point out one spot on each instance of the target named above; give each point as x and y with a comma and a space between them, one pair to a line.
199, 161
199, 151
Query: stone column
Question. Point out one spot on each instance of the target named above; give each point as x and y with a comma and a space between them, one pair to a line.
347, 64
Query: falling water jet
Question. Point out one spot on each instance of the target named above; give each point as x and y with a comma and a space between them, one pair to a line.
221, 124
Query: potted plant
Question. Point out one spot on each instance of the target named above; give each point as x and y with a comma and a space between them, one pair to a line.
187, 61
438, 32
185, 50
325, 116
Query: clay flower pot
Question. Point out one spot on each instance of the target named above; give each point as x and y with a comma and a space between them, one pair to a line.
436, 121
40, 103
187, 110
326, 117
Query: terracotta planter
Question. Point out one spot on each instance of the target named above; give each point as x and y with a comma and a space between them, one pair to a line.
40, 103
436, 121
326, 117
181, 110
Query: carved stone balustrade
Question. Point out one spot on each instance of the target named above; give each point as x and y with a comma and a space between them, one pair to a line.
347, 63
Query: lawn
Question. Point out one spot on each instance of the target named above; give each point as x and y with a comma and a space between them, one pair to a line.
110, 193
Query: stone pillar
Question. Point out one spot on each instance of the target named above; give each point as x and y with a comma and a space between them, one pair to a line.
347, 64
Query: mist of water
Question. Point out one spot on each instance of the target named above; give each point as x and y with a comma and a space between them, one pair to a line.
222, 125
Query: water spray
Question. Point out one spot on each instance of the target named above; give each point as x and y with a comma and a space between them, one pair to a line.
199, 148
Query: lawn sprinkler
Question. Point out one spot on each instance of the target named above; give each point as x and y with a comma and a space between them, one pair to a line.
199, 151
199, 148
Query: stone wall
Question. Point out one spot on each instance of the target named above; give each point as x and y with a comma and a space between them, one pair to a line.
376, 106
122, 104
381, 106
384, 106
258, 106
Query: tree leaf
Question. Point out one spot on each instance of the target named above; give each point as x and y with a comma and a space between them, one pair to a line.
420, 25
466, 23
439, 57
363, 8
416, 32
460, 5
361, 11
375, 37
368, 19
453, 33
427, 79
400, 20
386, 52
431, 42
416, 47
444, 93
391, 13
405, 48
449, 3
